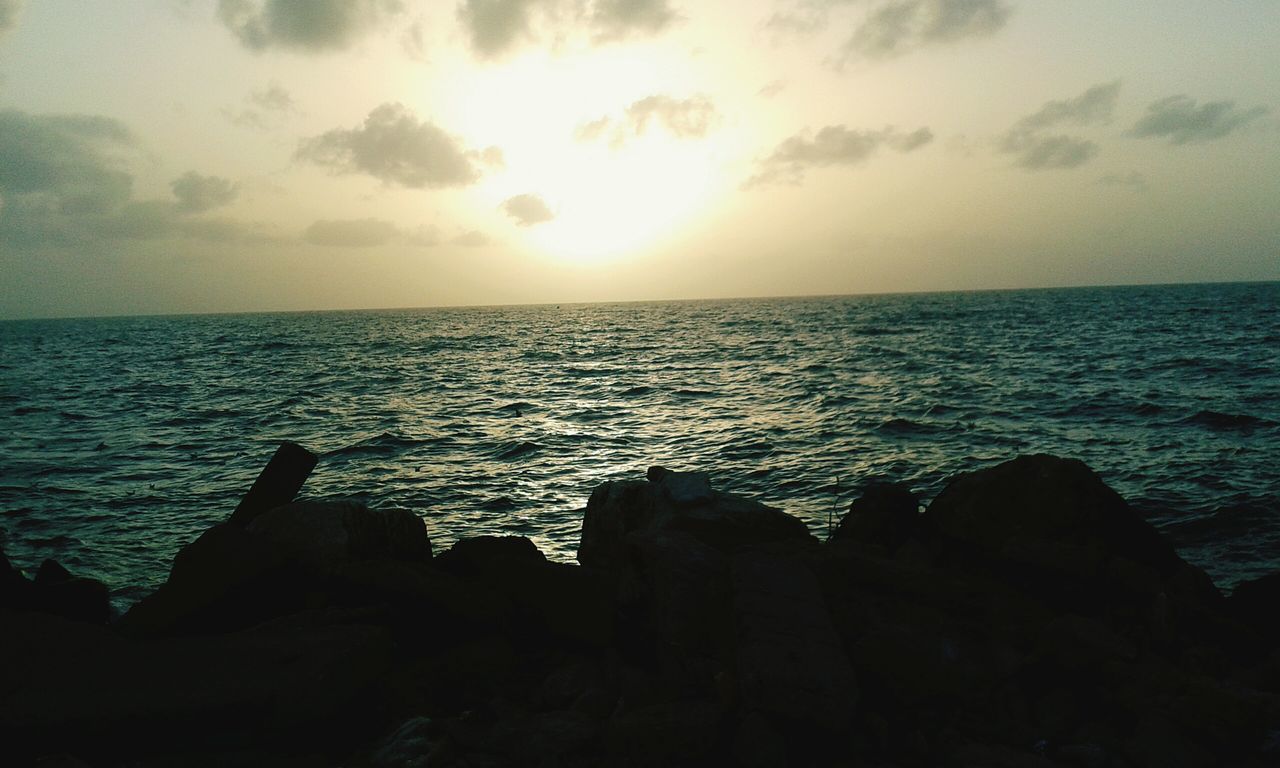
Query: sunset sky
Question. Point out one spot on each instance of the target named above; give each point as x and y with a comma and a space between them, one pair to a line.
165, 156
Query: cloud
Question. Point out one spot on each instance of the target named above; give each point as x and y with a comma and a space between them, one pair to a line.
833, 145
351, 233
63, 163
394, 146
495, 27
620, 19
266, 106
690, 118
197, 194
527, 210
9, 11
900, 26
309, 26
772, 89
1178, 119
472, 239
63, 181
1034, 149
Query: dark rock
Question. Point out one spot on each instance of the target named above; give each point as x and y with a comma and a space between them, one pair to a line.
481, 554
324, 534
791, 665
56, 590
885, 514
681, 732
1056, 522
677, 502
15, 589
1256, 603
410, 746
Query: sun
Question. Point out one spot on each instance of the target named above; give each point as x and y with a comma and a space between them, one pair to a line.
613, 201
613, 194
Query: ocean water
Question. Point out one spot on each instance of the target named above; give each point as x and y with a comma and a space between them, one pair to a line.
122, 438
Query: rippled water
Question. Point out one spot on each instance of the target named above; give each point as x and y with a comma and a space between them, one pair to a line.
122, 438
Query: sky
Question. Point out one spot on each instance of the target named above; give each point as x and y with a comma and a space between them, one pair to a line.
174, 156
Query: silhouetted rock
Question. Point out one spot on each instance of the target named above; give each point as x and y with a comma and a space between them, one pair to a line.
324, 534
484, 554
58, 591
1056, 522
15, 589
1257, 604
886, 514
677, 502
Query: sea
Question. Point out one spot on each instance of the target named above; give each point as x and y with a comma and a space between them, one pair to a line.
122, 438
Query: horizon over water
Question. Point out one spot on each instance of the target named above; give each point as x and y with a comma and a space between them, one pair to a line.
121, 438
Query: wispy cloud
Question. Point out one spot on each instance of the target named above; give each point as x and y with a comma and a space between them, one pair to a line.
1180, 120
197, 194
495, 27
690, 118
1034, 148
833, 145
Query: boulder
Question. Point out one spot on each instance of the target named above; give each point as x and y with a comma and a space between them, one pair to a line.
325, 534
1256, 604
15, 590
1058, 525
59, 592
677, 502
288, 558
886, 514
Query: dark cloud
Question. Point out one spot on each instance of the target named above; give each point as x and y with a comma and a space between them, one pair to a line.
527, 210
620, 19
9, 10
396, 147
690, 118
197, 194
63, 183
900, 26
1181, 121
310, 26
497, 26
833, 145
1035, 149
64, 163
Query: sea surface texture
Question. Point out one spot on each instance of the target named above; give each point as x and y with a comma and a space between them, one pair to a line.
122, 438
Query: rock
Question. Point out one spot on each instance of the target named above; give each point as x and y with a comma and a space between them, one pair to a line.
1057, 524
483, 554
226, 579
1256, 604
791, 664
677, 502
682, 732
885, 514
15, 590
57, 591
410, 746
324, 534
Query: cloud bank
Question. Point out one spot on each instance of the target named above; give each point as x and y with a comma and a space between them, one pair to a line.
495, 27
393, 145
308, 26
1034, 148
1181, 121
833, 145
527, 210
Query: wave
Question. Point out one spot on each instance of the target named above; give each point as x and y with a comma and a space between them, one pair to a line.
384, 444
515, 450
1228, 422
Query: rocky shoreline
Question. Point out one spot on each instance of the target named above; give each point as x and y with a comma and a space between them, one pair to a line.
1026, 618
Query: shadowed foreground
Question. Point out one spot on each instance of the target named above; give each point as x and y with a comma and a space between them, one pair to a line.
1027, 618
